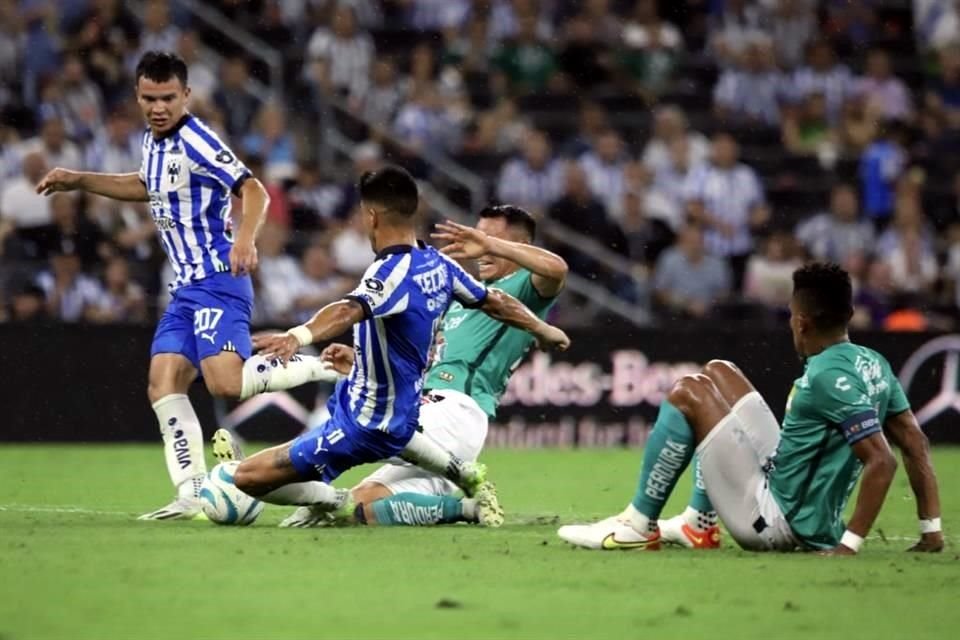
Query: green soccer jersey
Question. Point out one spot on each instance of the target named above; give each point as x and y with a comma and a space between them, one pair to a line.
477, 353
845, 394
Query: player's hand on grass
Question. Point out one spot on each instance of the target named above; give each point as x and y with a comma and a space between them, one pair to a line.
340, 357
553, 339
59, 180
839, 550
243, 257
463, 242
279, 346
929, 543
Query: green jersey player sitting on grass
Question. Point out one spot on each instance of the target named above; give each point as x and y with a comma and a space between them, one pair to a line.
471, 366
786, 488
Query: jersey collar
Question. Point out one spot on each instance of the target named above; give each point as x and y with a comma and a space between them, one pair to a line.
175, 128
398, 248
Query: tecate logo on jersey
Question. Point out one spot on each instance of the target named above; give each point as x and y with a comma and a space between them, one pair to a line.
631, 380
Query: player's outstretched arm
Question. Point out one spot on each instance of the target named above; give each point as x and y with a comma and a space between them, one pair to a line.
879, 467
508, 310
119, 186
254, 200
331, 321
549, 270
903, 431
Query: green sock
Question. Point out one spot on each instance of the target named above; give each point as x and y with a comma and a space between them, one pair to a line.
699, 499
415, 509
668, 452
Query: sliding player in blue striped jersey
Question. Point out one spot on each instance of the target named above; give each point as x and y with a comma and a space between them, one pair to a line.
394, 313
187, 175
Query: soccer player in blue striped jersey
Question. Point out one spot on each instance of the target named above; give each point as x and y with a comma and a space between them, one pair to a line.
394, 313
187, 175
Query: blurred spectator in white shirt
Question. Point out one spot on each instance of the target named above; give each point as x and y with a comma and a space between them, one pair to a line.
839, 235
351, 247
884, 93
71, 295
739, 24
200, 75
533, 180
666, 199
769, 277
792, 25
346, 51
384, 95
751, 92
604, 168
20, 205
823, 74
123, 299
913, 265
278, 273
158, 33
670, 124
317, 284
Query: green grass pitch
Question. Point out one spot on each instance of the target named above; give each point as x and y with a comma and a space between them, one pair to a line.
74, 563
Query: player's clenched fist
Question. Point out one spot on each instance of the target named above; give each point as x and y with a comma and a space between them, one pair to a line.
280, 346
553, 339
243, 257
59, 180
340, 357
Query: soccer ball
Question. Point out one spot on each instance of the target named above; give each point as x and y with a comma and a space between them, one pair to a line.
222, 502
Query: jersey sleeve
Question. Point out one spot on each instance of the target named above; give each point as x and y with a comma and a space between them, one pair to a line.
467, 290
384, 289
841, 398
213, 157
528, 295
143, 158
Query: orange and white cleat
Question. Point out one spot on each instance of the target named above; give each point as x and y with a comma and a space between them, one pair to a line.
677, 531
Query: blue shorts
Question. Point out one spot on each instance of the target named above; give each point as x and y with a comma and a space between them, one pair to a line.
206, 318
327, 451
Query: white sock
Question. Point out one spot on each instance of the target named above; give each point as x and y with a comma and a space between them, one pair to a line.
261, 375
308, 493
182, 443
427, 454
469, 509
640, 523
701, 520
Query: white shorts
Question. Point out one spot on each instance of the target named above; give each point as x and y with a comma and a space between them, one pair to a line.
732, 461
454, 421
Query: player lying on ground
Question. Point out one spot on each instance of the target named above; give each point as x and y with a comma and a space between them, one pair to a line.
395, 313
187, 174
786, 489
473, 360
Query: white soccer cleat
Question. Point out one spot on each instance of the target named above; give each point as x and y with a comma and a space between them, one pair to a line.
307, 517
489, 511
179, 509
614, 533
677, 531
225, 446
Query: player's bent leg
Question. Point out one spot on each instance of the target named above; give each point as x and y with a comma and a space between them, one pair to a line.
169, 379
733, 455
669, 450
378, 504
426, 453
697, 527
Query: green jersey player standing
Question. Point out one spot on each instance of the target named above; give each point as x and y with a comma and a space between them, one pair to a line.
473, 359
786, 488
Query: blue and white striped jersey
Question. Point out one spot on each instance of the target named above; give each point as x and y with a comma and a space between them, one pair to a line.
405, 294
189, 174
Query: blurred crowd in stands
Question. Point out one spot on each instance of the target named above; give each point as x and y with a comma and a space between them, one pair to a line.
710, 145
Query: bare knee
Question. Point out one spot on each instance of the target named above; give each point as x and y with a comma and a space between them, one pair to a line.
223, 386
687, 392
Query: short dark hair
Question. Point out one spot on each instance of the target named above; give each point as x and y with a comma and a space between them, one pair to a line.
514, 217
392, 187
824, 292
160, 66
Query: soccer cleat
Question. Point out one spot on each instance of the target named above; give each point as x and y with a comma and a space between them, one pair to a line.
179, 509
316, 515
225, 446
472, 476
307, 517
489, 511
614, 533
677, 531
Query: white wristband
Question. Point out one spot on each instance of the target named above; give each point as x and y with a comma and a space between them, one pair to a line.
930, 526
851, 540
303, 334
